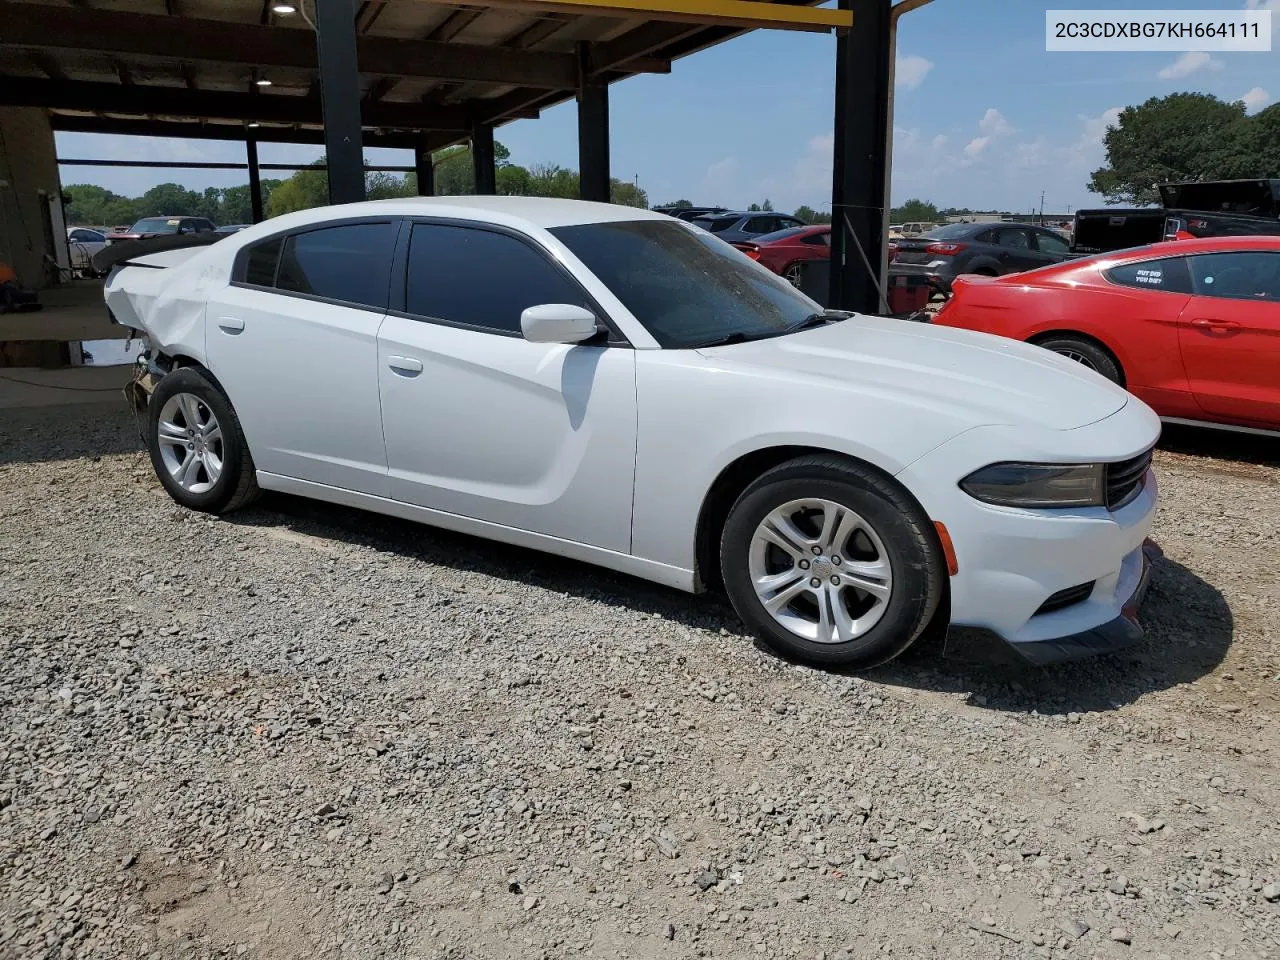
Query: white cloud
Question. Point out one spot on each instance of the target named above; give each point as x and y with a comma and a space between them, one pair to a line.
939, 141
906, 139
909, 72
1256, 99
975, 147
994, 123
1189, 63
1095, 128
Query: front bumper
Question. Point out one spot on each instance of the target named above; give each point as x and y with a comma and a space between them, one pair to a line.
1117, 634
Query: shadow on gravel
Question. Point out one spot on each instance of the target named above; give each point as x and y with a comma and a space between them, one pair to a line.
1241, 448
1189, 625
1189, 628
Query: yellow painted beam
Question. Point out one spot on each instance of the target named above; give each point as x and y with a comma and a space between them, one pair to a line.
750, 14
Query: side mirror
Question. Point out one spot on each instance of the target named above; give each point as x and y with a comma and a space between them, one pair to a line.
557, 323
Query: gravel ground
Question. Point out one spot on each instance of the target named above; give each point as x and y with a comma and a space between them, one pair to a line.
307, 732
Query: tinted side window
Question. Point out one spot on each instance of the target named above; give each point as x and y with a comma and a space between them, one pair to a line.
719, 226
760, 225
350, 263
1246, 275
1169, 275
260, 264
480, 278
1052, 243
1016, 239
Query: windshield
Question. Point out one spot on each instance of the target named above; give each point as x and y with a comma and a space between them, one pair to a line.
688, 288
950, 231
156, 225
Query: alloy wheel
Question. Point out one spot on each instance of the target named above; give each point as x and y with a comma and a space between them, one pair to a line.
820, 570
1079, 358
191, 443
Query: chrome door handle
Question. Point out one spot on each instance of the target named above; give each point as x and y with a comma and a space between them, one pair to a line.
232, 325
405, 365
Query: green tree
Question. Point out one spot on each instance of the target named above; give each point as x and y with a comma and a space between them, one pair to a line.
805, 213
381, 185
767, 206
679, 205
1184, 136
169, 199
754, 208
307, 188
915, 210
628, 194
91, 205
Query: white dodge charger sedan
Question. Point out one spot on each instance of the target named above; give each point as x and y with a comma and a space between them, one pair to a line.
617, 386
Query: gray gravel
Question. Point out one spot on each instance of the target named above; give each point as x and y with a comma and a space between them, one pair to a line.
307, 732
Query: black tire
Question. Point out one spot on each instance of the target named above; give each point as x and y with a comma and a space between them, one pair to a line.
236, 485
909, 541
1087, 353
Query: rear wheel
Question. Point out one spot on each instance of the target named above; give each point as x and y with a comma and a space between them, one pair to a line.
794, 274
196, 444
1085, 353
831, 564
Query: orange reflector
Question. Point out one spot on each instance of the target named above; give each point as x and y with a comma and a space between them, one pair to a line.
948, 548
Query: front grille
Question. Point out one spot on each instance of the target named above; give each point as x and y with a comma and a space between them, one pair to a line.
1124, 479
1066, 598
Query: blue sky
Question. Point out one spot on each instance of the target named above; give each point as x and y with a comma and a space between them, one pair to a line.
984, 116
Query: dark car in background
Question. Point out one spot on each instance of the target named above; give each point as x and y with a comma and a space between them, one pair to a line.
149, 227
689, 213
733, 227
989, 249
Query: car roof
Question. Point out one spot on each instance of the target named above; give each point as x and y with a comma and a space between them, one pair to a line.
1199, 245
545, 212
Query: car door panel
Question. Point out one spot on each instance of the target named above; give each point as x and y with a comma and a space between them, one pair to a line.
485, 424
293, 340
302, 376
1229, 333
536, 436
1232, 354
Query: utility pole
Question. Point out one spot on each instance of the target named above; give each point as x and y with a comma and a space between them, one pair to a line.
1042, 208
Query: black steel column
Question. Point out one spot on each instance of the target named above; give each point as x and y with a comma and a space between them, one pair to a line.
593, 131
860, 170
255, 178
424, 170
340, 96
482, 158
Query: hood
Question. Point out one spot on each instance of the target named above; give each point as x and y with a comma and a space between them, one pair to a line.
984, 379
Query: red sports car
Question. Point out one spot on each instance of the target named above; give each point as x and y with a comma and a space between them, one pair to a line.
785, 250
1192, 327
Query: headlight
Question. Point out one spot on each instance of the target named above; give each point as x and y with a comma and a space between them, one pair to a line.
1038, 485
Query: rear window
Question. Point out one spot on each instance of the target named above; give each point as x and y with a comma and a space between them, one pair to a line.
780, 235
717, 225
1168, 274
950, 232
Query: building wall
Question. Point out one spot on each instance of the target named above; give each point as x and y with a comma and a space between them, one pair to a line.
28, 178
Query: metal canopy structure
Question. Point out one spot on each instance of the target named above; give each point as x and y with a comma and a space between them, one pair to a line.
425, 74
427, 70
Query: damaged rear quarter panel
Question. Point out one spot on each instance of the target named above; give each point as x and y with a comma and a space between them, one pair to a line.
168, 304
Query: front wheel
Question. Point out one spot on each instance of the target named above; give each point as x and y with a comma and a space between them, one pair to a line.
196, 444
831, 564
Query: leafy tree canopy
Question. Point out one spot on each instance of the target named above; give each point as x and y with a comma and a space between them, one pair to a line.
1185, 136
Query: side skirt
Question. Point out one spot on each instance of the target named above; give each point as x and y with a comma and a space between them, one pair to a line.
662, 573
1228, 427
